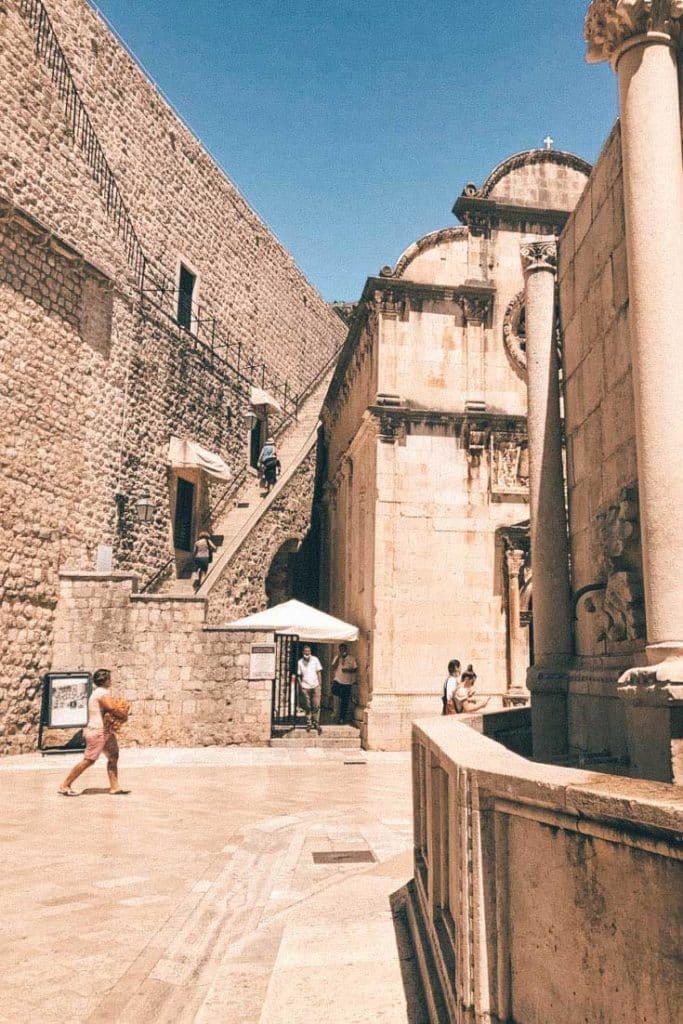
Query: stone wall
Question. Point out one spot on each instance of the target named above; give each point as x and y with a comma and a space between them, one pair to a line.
181, 203
530, 884
188, 683
599, 409
241, 587
94, 382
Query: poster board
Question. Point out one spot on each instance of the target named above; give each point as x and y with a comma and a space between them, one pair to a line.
262, 661
64, 705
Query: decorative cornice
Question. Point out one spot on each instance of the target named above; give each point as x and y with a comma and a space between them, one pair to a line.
538, 256
611, 23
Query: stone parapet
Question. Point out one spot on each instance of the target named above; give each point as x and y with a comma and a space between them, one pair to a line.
527, 875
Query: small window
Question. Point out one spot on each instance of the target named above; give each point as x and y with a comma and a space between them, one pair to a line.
186, 283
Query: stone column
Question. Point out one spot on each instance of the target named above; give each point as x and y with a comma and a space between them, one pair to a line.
549, 546
517, 692
639, 38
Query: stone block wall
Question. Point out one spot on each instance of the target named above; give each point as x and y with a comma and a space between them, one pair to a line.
599, 413
181, 203
93, 383
188, 683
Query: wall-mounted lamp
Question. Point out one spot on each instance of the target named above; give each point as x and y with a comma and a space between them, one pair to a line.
250, 418
145, 508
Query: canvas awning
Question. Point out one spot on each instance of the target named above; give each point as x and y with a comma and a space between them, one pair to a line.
257, 396
183, 454
294, 618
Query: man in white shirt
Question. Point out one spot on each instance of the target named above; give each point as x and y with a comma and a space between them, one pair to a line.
309, 674
344, 670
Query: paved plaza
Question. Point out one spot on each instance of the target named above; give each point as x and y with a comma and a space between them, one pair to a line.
213, 892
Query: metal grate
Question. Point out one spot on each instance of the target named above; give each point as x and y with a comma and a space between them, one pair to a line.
344, 857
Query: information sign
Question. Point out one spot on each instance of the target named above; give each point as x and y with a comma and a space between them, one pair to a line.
262, 661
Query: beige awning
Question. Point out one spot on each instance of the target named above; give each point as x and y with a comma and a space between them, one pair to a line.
184, 454
257, 396
294, 618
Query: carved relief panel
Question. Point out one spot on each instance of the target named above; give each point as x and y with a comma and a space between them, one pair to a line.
509, 463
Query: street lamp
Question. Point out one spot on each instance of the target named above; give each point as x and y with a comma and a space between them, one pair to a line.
250, 418
145, 508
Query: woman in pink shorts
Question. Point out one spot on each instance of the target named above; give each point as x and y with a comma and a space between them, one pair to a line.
99, 737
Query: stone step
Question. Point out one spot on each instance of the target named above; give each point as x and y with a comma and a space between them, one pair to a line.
312, 739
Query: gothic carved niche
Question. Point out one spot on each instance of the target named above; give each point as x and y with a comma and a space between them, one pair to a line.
538, 255
509, 463
609, 23
620, 559
514, 331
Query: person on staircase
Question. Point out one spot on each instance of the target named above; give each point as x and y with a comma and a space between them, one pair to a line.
204, 548
269, 464
309, 674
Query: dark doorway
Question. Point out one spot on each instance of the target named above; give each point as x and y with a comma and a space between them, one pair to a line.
257, 439
186, 283
184, 505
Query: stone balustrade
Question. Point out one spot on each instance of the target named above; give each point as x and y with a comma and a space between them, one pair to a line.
542, 893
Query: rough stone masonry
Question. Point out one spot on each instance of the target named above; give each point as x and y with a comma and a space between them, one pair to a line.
94, 380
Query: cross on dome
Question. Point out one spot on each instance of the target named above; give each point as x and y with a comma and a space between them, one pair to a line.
548, 142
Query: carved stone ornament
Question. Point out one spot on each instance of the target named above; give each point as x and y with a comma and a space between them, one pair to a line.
476, 308
609, 23
538, 256
514, 335
509, 463
620, 560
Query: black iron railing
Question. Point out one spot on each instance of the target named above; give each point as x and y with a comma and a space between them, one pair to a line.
81, 130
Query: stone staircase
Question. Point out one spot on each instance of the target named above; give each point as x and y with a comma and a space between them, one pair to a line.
250, 502
334, 737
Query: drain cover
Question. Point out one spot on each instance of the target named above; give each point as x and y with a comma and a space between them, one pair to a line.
344, 857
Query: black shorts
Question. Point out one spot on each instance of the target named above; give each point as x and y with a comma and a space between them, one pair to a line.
339, 689
201, 564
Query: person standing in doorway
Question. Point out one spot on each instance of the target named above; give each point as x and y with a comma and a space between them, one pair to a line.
344, 671
309, 674
100, 735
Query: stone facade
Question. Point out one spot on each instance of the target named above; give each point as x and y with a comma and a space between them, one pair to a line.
188, 683
97, 375
427, 466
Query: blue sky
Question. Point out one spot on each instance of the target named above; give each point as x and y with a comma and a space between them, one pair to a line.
351, 126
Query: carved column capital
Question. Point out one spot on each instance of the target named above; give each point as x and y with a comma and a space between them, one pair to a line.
475, 308
611, 23
538, 256
514, 561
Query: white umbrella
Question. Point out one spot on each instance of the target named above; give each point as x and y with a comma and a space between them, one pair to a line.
294, 618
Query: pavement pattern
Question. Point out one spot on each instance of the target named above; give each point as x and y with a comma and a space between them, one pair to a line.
197, 898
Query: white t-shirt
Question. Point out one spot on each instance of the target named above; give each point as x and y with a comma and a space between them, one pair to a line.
94, 710
308, 672
452, 684
345, 670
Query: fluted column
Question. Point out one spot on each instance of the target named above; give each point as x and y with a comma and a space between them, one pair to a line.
548, 527
640, 39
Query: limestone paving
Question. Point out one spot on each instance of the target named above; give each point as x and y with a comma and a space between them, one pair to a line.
196, 898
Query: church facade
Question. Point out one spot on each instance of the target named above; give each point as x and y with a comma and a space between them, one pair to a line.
426, 468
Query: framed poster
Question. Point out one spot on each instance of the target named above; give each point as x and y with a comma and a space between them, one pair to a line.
67, 700
262, 661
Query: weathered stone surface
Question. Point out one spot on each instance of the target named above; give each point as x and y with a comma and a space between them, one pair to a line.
93, 383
